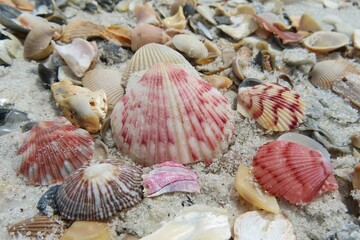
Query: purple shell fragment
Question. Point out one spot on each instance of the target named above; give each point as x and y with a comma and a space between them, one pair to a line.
170, 177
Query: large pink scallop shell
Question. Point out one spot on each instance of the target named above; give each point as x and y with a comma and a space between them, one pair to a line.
52, 150
293, 171
170, 115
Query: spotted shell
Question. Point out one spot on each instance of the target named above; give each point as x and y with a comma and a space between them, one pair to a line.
52, 150
171, 115
273, 106
323, 42
99, 191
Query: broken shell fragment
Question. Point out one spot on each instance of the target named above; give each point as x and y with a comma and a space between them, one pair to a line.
178, 21
144, 34
349, 88
86, 230
273, 106
170, 177
190, 46
37, 43
195, 222
52, 150
120, 33
324, 42
99, 191
219, 82
80, 28
207, 13
242, 26
245, 185
264, 226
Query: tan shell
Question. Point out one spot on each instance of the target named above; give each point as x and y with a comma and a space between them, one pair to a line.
355, 140
308, 23
178, 21
325, 73
324, 42
83, 230
37, 43
120, 33
107, 79
146, 14
144, 34
356, 177
349, 88
175, 6
213, 50
190, 46
80, 28
356, 38
206, 12
217, 81
243, 26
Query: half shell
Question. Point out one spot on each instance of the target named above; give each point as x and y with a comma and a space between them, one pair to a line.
324, 42
52, 150
144, 34
171, 115
273, 106
99, 191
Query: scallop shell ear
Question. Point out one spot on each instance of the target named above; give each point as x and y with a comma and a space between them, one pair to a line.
144, 34
323, 42
179, 117
274, 107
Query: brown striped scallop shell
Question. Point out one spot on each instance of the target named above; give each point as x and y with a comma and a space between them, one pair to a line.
324, 42
99, 191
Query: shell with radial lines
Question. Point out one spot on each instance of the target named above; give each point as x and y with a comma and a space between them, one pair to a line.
52, 150
99, 191
273, 106
171, 115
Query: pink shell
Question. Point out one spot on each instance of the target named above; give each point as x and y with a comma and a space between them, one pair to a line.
52, 150
293, 171
170, 177
170, 115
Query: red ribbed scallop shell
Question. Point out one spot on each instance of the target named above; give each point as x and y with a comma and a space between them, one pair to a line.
52, 150
293, 171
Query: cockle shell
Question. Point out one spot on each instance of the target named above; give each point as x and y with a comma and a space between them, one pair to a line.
37, 43
293, 171
325, 73
178, 21
324, 42
273, 106
81, 28
261, 225
170, 177
120, 33
171, 115
81, 106
144, 34
196, 223
87, 230
52, 150
190, 46
99, 191
107, 79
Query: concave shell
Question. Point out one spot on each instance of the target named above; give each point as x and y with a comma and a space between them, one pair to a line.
325, 73
80, 28
292, 171
37, 43
349, 88
99, 191
170, 177
324, 42
120, 33
149, 55
273, 106
107, 79
52, 150
190, 46
87, 230
196, 222
171, 115
261, 225
247, 188
144, 34
178, 21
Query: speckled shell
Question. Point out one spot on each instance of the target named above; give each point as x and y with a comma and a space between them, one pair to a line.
325, 73
324, 42
99, 191
171, 115
52, 150
273, 106
293, 171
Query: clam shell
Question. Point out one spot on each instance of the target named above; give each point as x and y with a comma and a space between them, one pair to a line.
273, 106
120, 33
325, 73
107, 79
190, 46
324, 42
52, 150
37, 43
179, 117
178, 21
80, 28
349, 89
90, 230
99, 191
292, 171
144, 34
308, 23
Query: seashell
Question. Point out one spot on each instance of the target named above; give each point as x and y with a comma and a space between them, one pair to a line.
52, 150
8, 3
80, 106
190, 46
246, 187
177, 21
100, 151
37, 43
80, 28
144, 34
192, 135
149, 55
356, 38
120, 33
85, 230
47, 76
170, 177
356, 177
107, 79
8, 15
213, 53
219, 82
339, 25
99, 191
181, 3
293, 171
264, 226
242, 26
146, 14
78, 55
195, 222
349, 88
355, 140
324, 42
37, 225
207, 13
10, 47
308, 24
10, 118
65, 73
325, 73
273, 106
24, 5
